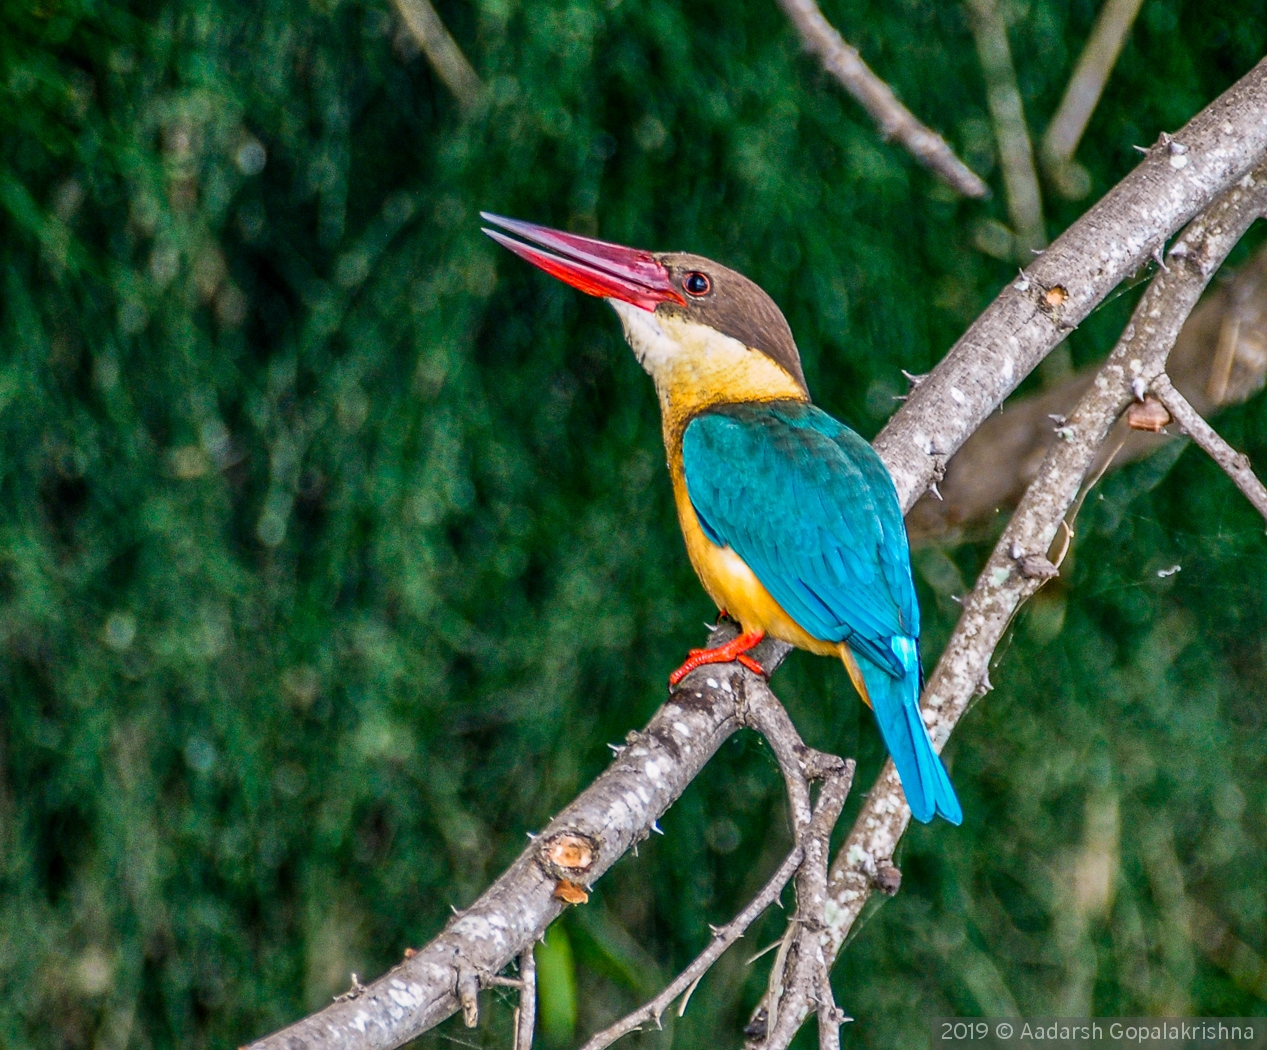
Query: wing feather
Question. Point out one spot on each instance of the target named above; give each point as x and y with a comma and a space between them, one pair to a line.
812, 510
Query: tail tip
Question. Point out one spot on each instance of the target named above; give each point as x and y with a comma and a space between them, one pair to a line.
941, 802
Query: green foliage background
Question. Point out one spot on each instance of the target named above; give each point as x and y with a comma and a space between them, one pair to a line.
335, 545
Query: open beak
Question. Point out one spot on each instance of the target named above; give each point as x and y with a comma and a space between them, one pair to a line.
595, 267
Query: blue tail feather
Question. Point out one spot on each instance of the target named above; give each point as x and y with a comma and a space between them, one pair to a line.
896, 704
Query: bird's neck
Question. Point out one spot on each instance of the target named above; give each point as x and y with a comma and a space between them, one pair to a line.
696, 367
693, 387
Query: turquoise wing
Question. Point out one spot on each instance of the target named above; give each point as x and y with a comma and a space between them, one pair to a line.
812, 510
808, 505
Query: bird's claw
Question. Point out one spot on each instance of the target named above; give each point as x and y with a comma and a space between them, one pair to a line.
734, 650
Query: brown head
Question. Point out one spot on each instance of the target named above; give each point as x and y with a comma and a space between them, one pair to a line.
705, 333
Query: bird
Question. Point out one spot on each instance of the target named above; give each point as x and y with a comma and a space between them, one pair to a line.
791, 521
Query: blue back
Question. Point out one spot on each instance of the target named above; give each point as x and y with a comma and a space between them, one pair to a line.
810, 507
812, 510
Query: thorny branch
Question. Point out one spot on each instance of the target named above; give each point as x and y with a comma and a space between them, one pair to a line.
1219, 360
1019, 565
1073, 276
811, 842
1174, 183
877, 98
526, 1011
723, 938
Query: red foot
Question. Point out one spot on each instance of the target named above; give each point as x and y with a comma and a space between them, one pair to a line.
736, 649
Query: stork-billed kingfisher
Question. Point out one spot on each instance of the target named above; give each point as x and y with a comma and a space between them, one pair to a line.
791, 520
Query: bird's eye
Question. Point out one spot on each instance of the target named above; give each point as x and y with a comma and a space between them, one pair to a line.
697, 284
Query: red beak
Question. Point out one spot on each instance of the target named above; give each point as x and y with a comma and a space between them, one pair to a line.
595, 267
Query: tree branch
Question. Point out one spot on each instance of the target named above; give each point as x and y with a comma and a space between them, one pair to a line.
526, 1011
723, 938
613, 814
1019, 565
803, 982
1016, 156
1064, 284
875, 96
1235, 464
442, 51
1082, 94
1220, 359
648, 774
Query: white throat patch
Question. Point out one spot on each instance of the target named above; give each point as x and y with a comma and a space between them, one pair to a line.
651, 344
673, 350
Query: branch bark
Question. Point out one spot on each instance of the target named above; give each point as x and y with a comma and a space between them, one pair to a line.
1234, 463
526, 1011
648, 774
1064, 284
616, 812
875, 96
1019, 565
1220, 359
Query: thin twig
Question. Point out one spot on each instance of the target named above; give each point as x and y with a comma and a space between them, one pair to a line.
805, 968
1082, 94
1235, 464
1016, 157
875, 96
723, 938
526, 1014
442, 51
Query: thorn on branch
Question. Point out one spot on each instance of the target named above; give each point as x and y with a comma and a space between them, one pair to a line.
355, 992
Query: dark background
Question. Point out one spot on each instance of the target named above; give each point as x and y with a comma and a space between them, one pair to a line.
336, 545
